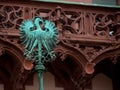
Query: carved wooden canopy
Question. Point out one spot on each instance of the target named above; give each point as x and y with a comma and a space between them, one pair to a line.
87, 35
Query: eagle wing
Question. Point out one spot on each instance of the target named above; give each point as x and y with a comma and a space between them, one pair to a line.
32, 38
50, 35
27, 34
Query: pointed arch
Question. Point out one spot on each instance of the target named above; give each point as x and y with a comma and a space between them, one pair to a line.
73, 53
107, 54
12, 49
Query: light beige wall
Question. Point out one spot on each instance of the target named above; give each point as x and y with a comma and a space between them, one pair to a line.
101, 82
49, 83
1, 87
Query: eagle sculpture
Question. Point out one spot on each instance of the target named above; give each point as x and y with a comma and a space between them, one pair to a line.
39, 38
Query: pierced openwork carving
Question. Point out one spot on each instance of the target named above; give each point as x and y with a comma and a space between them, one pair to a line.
87, 31
11, 16
72, 21
91, 51
73, 25
69, 22
103, 24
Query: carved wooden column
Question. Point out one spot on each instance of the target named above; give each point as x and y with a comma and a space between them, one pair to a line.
116, 75
20, 78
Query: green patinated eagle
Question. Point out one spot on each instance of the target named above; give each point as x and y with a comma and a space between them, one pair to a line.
38, 35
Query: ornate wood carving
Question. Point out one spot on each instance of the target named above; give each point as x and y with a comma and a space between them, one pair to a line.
85, 33
21, 76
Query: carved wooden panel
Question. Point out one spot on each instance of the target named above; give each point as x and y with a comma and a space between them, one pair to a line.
85, 33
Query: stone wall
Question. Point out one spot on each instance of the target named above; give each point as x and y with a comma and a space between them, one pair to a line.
101, 82
49, 83
1, 87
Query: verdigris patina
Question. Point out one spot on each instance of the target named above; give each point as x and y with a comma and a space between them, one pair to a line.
39, 38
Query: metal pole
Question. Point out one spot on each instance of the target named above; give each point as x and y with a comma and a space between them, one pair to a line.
40, 77
40, 69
